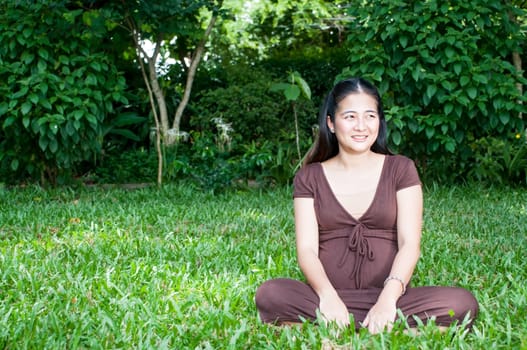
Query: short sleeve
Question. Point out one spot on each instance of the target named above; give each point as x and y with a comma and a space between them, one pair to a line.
406, 174
304, 183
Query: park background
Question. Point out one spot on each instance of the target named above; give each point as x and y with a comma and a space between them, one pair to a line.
147, 150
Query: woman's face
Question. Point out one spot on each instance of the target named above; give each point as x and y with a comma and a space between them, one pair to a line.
356, 123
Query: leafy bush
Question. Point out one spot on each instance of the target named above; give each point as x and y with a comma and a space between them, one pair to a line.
248, 104
445, 73
501, 161
213, 166
56, 92
120, 167
206, 162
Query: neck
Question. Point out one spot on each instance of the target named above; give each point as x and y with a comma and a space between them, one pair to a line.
350, 161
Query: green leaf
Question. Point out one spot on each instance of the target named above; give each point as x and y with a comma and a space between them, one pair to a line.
45, 103
126, 133
8, 121
292, 93
450, 52
91, 79
42, 66
53, 145
14, 164
403, 40
27, 32
33, 98
480, 78
96, 66
3, 108
464, 80
450, 146
457, 68
448, 108
27, 57
43, 142
279, 87
43, 88
504, 118
26, 107
431, 90
78, 114
304, 87
429, 132
22, 92
431, 42
43, 53
472, 92
128, 118
26, 121
396, 137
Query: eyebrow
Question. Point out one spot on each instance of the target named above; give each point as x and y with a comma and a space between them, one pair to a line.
352, 111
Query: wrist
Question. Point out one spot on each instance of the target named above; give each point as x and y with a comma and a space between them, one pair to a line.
396, 280
328, 292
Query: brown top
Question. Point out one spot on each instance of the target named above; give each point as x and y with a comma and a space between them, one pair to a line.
357, 252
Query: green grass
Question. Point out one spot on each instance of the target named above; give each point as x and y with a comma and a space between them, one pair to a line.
177, 268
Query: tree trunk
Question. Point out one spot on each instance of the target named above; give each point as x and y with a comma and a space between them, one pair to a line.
190, 76
517, 61
154, 94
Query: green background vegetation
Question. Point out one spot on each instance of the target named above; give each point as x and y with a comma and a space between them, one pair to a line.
74, 105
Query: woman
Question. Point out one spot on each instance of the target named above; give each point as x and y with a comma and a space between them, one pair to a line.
358, 213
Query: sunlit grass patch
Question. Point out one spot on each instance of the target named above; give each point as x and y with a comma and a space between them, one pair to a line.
177, 268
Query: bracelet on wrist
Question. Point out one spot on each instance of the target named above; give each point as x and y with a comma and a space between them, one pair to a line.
400, 280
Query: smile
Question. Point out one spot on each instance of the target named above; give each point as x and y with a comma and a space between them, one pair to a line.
359, 137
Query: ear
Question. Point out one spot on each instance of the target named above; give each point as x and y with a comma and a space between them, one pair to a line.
330, 124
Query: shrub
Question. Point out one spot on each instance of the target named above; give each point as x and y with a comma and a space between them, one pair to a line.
445, 73
56, 91
248, 104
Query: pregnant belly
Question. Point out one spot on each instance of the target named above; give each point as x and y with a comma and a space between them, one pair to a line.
356, 269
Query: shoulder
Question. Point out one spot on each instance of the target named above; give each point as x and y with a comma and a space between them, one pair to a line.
403, 171
399, 159
399, 162
309, 169
306, 179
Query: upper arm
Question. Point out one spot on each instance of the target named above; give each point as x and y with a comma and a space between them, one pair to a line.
409, 216
306, 226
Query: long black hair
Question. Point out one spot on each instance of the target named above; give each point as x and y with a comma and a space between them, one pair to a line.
326, 145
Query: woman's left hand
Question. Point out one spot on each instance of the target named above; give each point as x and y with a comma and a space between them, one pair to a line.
381, 316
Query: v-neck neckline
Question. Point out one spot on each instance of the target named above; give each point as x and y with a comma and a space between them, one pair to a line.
359, 219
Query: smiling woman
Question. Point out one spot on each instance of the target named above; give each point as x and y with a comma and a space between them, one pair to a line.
356, 122
358, 216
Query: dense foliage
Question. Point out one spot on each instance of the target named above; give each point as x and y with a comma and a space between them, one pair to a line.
58, 90
73, 99
448, 80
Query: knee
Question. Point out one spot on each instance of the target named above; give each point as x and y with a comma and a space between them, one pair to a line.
465, 305
267, 296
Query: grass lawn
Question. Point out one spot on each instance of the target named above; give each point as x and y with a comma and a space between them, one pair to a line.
177, 268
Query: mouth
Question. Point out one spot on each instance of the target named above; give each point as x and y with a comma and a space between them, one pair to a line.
359, 138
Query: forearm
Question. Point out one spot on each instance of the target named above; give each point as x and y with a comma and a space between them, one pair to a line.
402, 268
315, 274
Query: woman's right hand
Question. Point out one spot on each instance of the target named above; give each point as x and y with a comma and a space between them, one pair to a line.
333, 308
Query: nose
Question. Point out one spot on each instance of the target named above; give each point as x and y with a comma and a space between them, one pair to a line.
360, 124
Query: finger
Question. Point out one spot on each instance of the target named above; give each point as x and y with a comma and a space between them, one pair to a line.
366, 321
372, 329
